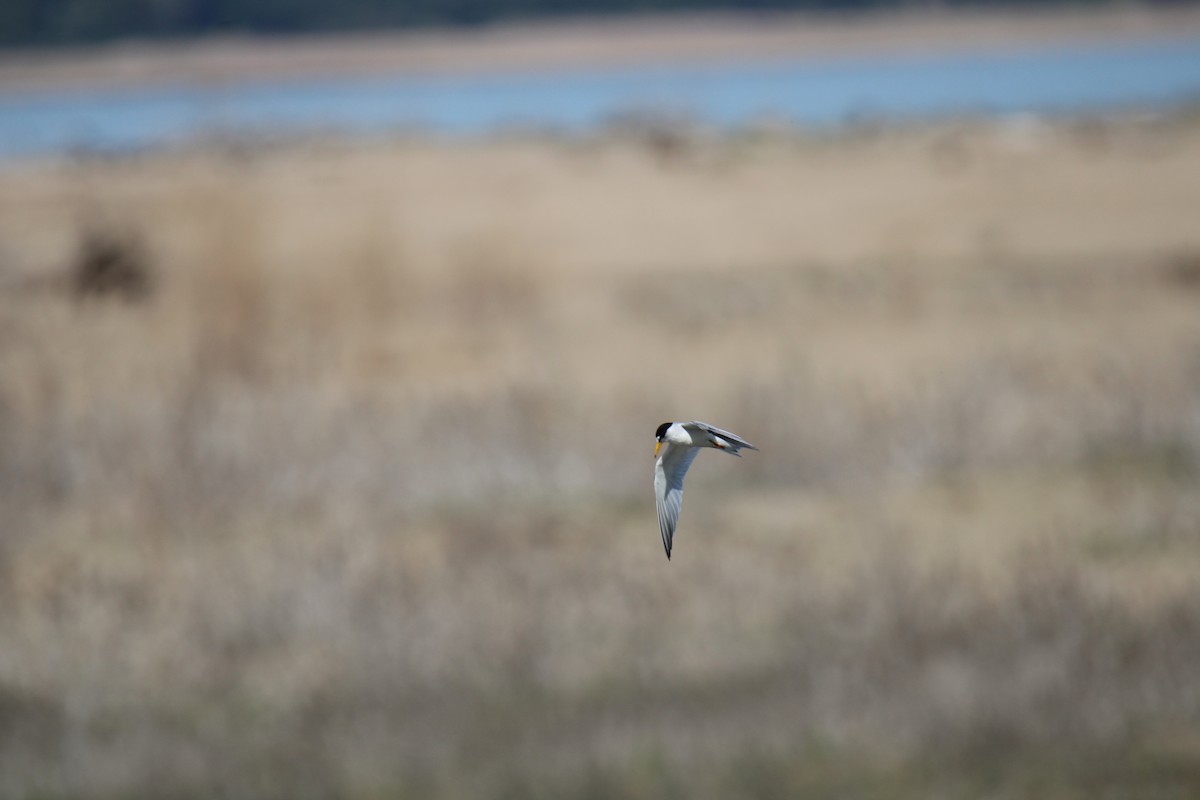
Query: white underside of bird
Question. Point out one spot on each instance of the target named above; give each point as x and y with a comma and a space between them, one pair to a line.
678, 444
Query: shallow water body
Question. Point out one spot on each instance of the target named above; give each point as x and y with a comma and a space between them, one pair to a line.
815, 92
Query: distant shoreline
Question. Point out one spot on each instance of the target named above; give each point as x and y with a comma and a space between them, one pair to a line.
577, 44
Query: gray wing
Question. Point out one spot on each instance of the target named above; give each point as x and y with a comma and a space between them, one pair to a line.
668, 489
731, 438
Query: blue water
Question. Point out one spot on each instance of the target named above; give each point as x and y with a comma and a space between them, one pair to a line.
811, 91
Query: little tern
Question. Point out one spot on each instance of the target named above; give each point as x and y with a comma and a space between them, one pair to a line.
676, 448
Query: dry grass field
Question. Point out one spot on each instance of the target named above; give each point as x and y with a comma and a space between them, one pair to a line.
325, 469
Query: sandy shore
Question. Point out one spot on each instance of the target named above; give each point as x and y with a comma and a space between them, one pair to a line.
578, 43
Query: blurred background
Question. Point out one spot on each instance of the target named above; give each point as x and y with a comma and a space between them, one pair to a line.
333, 338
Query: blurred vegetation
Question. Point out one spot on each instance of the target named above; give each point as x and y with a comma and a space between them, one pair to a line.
325, 468
36, 22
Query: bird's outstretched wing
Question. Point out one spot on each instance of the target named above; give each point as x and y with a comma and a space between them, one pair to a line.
668, 489
732, 441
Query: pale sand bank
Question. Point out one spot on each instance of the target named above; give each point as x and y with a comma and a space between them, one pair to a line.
581, 43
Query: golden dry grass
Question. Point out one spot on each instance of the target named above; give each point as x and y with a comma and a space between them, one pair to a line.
353, 500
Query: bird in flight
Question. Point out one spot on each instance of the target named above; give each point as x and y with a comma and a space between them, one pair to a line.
676, 448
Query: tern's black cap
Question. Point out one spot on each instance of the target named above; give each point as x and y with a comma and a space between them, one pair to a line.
662, 430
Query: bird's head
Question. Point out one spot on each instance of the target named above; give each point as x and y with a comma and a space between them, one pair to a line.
658, 437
